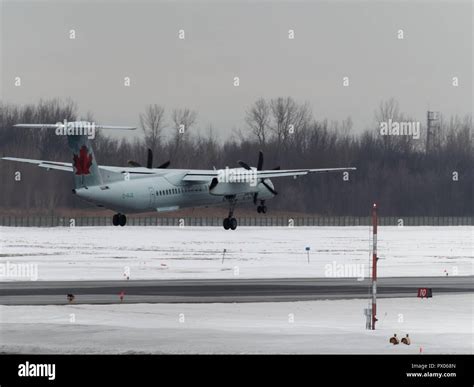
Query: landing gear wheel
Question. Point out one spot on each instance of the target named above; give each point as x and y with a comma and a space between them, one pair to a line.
264, 209
122, 220
115, 220
226, 223
259, 209
230, 222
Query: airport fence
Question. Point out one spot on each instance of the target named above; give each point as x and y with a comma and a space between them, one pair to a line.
261, 221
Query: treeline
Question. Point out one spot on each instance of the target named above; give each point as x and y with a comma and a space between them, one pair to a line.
401, 173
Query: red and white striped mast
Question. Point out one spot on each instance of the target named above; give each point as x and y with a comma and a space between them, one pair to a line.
374, 265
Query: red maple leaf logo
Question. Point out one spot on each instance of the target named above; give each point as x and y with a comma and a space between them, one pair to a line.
83, 161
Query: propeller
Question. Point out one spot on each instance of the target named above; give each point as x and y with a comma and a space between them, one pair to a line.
244, 165
260, 161
149, 162
149, 159
269, 188
133, 163
214, 182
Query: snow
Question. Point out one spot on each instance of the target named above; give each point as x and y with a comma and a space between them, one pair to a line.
443, 324
92, 253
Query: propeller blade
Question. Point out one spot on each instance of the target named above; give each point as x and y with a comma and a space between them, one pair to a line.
133, 163
165, 165
244, 165
269, 188
213, 183
149, 160
260, 161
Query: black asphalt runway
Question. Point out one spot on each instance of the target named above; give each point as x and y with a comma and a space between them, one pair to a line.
222, 290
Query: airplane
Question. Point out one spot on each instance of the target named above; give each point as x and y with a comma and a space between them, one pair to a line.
137, 189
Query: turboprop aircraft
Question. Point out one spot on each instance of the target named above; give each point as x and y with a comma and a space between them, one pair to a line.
136, 189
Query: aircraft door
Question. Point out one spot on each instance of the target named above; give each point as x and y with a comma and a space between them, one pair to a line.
152, 197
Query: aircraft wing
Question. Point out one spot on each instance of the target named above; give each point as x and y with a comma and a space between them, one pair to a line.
207, 175
132, 170
271, 174
68, 166
200, 175
190, 175
43, 163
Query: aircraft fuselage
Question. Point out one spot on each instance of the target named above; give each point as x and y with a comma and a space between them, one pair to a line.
160, 194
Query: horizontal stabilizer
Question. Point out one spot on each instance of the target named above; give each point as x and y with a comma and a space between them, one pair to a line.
73, 124
43, 164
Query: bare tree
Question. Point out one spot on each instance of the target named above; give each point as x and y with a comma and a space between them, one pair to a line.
152, 122
258, 119
183, 121
288, 118
283, 110
387, 109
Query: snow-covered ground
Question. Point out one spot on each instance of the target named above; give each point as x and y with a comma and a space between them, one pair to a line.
86, 253
443, 324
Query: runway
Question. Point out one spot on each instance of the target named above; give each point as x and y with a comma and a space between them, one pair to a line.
223, 290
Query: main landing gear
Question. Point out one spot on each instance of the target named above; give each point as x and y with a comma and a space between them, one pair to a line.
262, 208
230, 222
119, 219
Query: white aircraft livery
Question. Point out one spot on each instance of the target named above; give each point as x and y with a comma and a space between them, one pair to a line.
136, 189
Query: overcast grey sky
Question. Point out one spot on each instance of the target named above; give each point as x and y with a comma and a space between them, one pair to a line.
224, 39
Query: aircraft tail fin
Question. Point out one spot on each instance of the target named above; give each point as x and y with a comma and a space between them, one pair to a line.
85, 169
